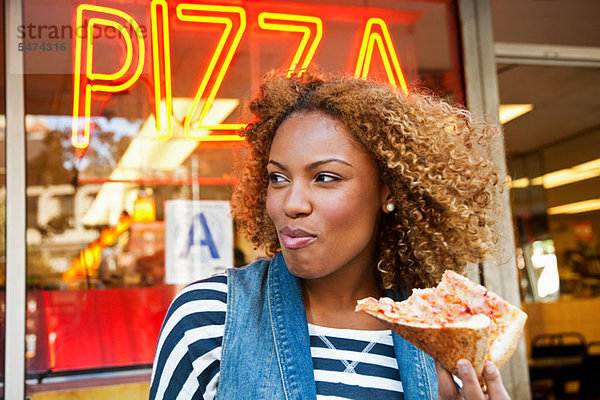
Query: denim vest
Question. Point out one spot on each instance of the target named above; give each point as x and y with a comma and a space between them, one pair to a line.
266, 350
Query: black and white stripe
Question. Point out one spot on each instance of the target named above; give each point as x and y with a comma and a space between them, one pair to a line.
354, 364
188, 354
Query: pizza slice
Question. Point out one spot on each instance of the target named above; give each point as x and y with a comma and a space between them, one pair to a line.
457, 319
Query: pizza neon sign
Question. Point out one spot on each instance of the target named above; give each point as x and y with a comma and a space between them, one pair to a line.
232, 20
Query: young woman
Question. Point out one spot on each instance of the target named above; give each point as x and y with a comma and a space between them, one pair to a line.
355, 190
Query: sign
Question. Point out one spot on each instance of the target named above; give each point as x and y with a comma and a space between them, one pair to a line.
198, 239
583, 231
139, 45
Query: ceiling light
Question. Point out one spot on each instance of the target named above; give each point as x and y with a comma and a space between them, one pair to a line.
576, 173
508, 112
590, 169
146, 153
519, 183
575, 208
538, 181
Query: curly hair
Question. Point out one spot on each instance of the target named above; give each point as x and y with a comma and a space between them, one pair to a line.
431, 156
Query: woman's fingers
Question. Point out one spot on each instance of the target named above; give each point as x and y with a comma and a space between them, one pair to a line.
446, 387
493, 380
471, 388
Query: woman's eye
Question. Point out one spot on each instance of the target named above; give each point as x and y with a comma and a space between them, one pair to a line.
326, 178
276, 178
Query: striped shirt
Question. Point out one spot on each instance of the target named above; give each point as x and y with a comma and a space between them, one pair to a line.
348, 364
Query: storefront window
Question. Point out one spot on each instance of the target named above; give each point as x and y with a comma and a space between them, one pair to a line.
555, 190
556, 186
131, 144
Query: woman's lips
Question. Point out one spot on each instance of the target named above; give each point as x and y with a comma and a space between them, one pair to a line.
293, 242
296, 238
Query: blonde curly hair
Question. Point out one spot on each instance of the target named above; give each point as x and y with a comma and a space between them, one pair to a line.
431, 156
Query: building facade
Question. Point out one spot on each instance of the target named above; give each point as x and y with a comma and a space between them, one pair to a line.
119, 122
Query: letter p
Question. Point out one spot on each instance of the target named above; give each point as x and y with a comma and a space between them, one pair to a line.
85, 80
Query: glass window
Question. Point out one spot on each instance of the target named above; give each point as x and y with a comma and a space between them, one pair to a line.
555, 166
554, 161
132, 111
67, 211
32, 211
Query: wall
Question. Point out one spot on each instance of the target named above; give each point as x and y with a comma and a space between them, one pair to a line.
577, 315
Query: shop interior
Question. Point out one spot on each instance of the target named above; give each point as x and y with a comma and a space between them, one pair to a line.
553, 151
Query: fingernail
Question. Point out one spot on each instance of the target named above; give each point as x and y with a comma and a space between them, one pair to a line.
463, 367
489, 368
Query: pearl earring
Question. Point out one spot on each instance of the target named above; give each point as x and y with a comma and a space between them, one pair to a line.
390, 207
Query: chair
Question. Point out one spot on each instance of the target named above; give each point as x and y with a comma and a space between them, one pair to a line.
590, 381
563, 344
558, 357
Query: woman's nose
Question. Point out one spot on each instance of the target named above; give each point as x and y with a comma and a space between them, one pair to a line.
297, 201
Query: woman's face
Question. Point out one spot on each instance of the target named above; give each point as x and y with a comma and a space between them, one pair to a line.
324, 197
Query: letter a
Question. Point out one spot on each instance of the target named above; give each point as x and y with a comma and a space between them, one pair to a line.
207, 240
389, 57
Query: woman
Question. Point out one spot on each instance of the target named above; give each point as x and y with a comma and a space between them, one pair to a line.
355, 190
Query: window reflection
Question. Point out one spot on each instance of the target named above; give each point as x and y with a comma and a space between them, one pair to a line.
96, 216
558, 220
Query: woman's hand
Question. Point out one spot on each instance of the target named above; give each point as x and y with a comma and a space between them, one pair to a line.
471, 390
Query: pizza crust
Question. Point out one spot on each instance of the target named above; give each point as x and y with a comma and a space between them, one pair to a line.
480, 326
505, 345
448, 344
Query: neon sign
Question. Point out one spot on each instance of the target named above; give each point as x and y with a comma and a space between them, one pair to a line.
389, 57
227, 16
307, 33
165, 67
88, 85
232, 20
